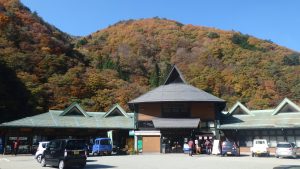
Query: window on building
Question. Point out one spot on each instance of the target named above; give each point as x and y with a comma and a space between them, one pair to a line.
242, 141
287, 108
249, 132
297, 132
115, 112
297, 141
272, 132
291, 139
239, 111
280, 139
74, 112
175, 110
289, 132
279, 132
273, 141
145, 124
249, 141
264, 132
267, 138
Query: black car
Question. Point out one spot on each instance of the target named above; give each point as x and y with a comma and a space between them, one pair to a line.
64, 153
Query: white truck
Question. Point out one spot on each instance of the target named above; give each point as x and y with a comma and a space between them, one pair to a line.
260, 147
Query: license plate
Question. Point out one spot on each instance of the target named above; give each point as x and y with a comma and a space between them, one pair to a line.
228, 152
76, 152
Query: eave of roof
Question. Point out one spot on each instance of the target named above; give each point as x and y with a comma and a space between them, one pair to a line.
53, 119
176, 122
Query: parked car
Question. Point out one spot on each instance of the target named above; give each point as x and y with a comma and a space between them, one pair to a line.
260, 147
64, 153
102, 146
40, 150
229, 148
286, 149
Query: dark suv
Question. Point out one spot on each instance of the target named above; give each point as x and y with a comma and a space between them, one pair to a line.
65, 152
229, 148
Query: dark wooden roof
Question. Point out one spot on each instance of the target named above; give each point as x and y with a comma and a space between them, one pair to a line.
175, 89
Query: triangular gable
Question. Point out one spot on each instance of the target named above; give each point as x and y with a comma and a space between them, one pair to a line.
174, 76
74, 110
239, 109
117, 110
286, 106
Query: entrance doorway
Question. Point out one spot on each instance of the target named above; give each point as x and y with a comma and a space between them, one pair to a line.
204, 142
173, 140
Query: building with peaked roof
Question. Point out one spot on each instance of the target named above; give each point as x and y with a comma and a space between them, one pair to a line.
275, 125
72, 122
172, 113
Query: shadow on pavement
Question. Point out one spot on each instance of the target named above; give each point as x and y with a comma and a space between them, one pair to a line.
287, 167
98, 166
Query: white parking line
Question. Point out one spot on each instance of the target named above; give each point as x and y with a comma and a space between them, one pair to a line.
4, 159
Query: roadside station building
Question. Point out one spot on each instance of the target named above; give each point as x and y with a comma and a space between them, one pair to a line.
163, 120
73, 122
275, 125
172, 113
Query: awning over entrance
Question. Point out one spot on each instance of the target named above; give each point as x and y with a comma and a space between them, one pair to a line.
176, 123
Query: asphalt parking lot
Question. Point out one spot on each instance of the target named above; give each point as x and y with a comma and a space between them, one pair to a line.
162, 161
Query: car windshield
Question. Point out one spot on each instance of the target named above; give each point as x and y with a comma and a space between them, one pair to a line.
75, 145
226, 143
284, 145
105, 142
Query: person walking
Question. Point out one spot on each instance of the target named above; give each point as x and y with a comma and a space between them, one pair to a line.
191, 145
16, 147
207, 146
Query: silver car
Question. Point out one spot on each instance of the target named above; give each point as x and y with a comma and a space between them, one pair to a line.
286, 149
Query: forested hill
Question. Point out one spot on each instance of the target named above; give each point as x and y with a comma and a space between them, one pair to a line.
32, 53
42, 67
228, 64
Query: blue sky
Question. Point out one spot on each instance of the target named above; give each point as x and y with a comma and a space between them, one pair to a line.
276, 20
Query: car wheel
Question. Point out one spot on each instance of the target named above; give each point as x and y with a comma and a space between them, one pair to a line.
61, 164
43, 162
295, 156
39, 158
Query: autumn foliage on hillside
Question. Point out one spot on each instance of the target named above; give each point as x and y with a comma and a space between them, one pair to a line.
31, 51
228, 64
47, 69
